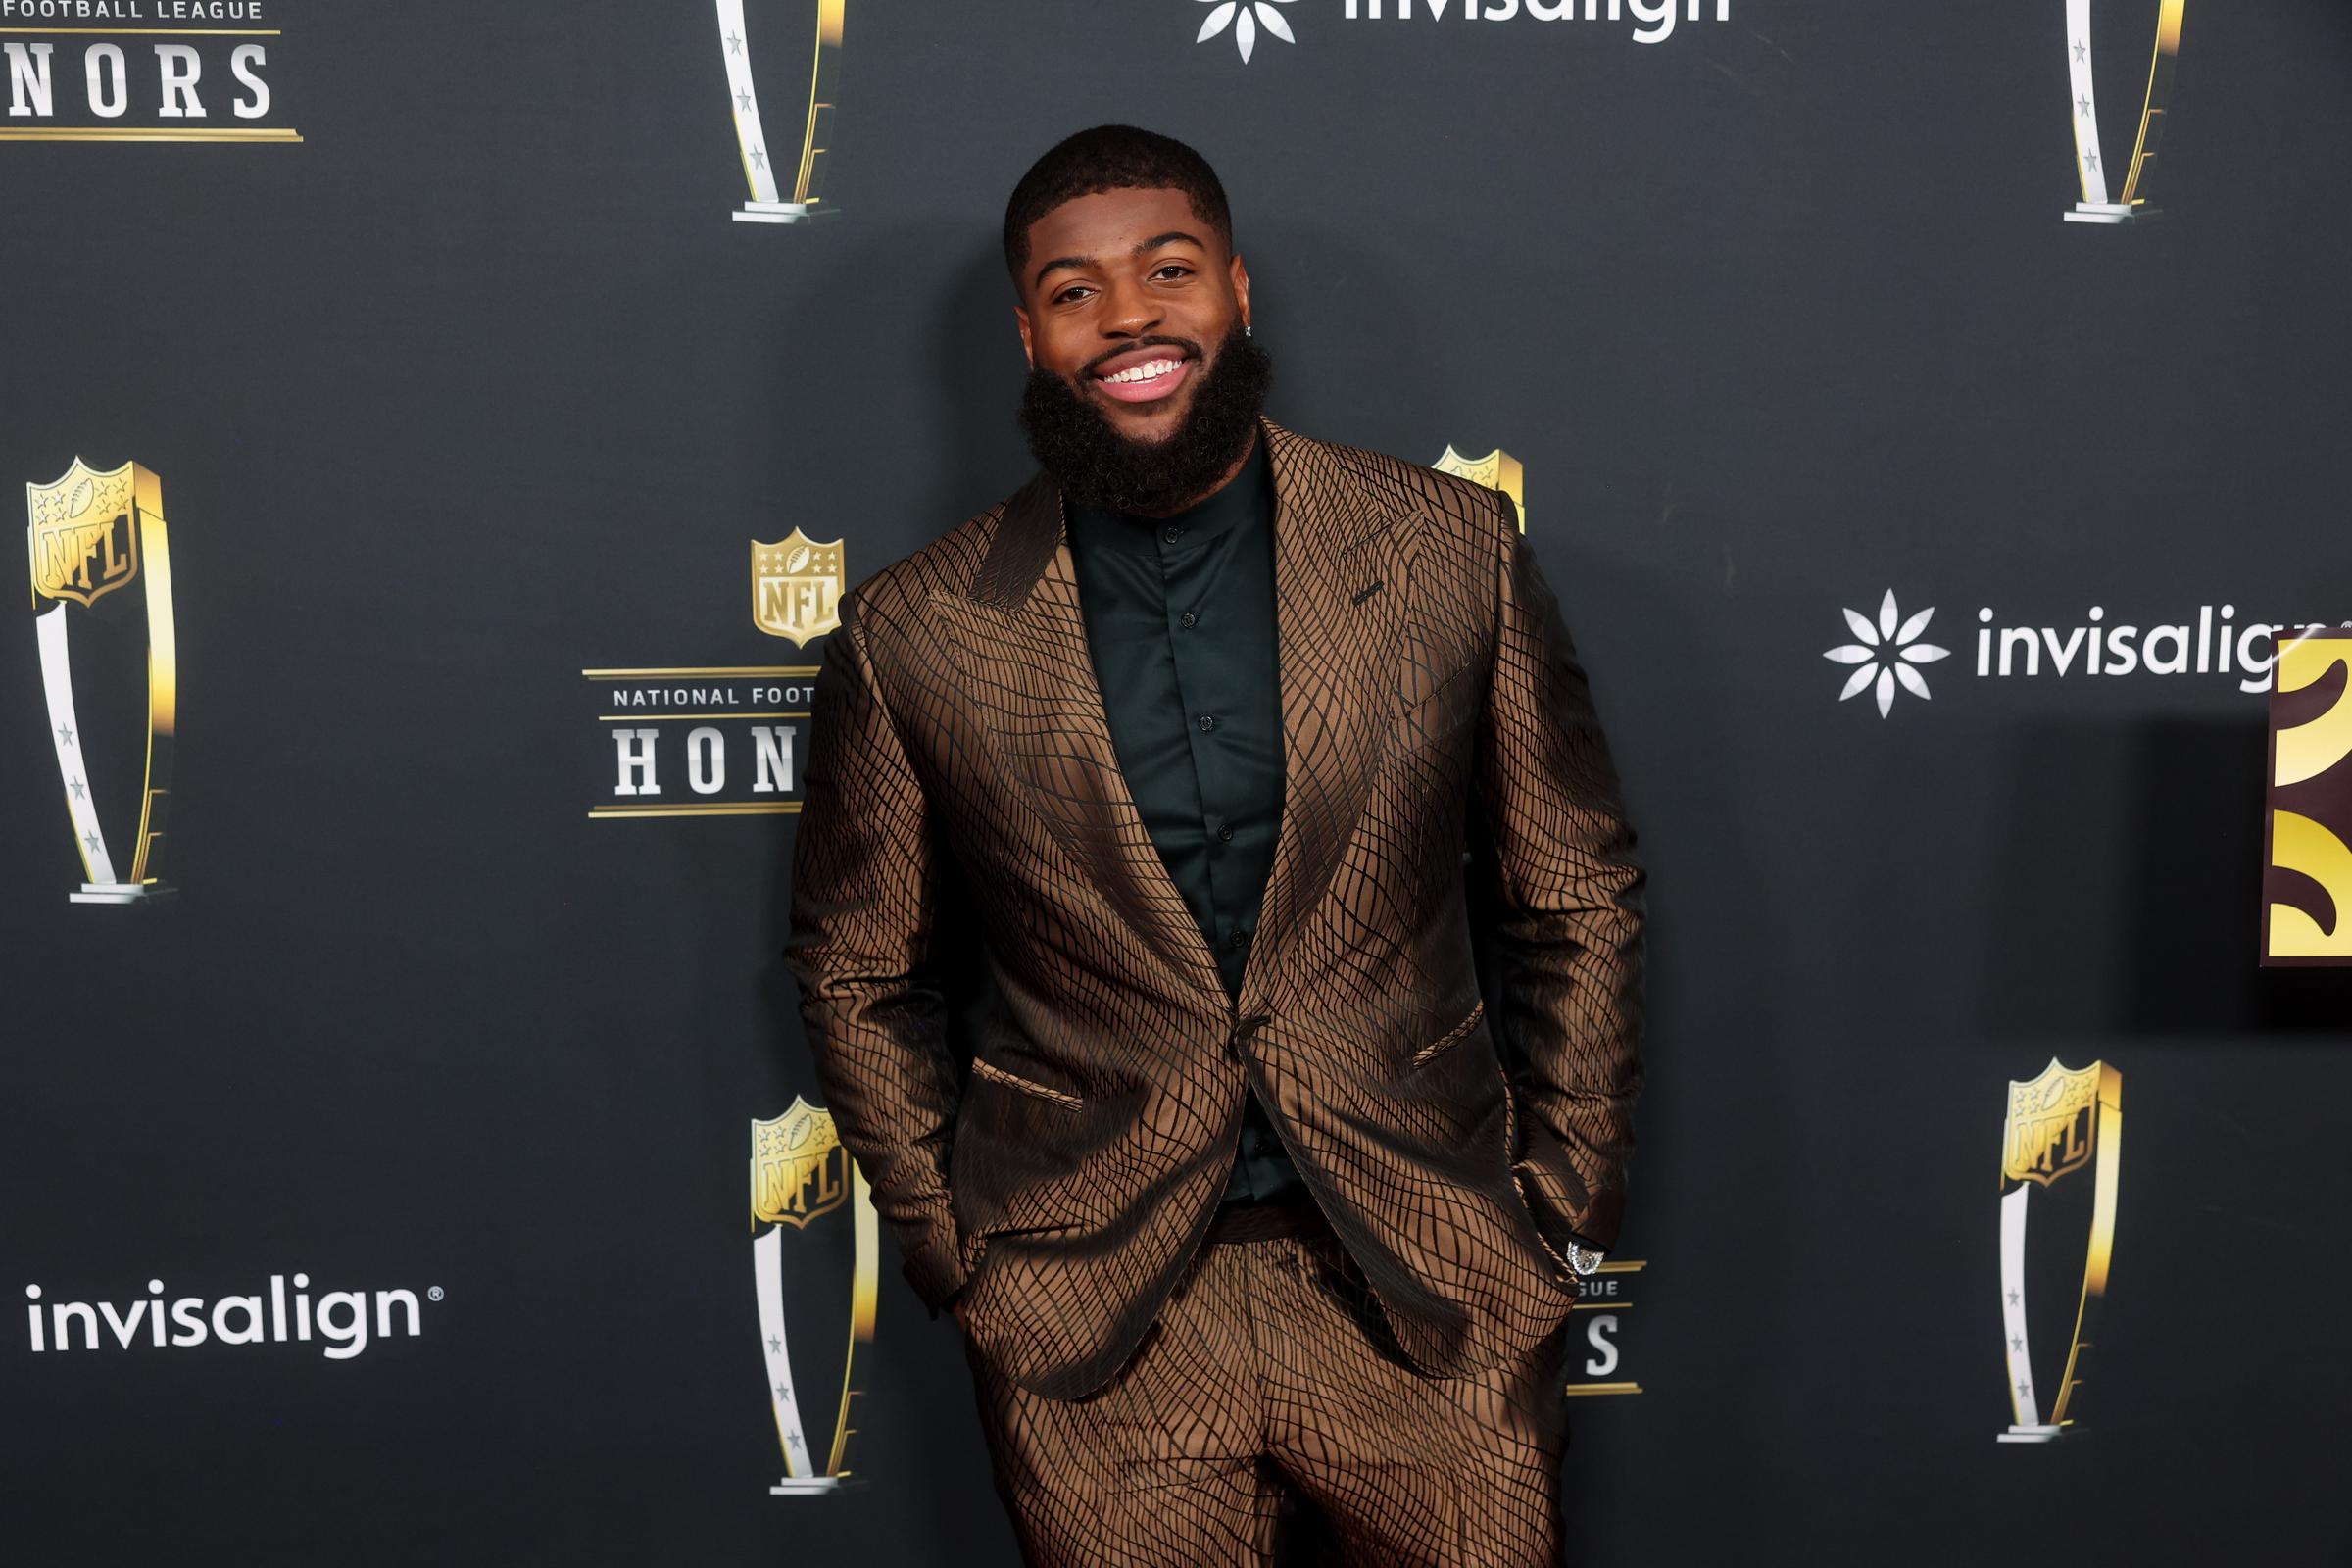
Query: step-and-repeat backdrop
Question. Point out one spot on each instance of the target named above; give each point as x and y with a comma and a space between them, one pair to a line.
446, 432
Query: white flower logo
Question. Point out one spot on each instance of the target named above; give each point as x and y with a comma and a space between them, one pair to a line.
1246, 17
1886, 654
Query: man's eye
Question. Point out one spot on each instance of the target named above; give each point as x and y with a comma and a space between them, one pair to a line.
1071, 293
1177, 267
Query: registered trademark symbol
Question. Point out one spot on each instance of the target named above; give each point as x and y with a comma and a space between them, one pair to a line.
433, 1294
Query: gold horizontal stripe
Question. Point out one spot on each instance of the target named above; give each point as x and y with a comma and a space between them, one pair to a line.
622, 718
161, 32
1631, 1265
709, 804
770, 810
141, 133
1604, 1387
704, 669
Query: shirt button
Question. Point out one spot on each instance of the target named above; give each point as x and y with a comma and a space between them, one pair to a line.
1237, 939
1172, 533
1225, 830
1208, 721
1188, 620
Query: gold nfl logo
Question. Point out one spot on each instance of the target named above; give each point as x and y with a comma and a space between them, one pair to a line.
796, 586
1497, 470
85, 538
799, 1168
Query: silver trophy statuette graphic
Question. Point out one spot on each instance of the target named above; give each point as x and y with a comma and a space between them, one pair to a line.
801, 1172
101, 562
786, 174
2129, 204
2061, 1150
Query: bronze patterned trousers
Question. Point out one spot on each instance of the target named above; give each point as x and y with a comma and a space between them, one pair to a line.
1270, 1405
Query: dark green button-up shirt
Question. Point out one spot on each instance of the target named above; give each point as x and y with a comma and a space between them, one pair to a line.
1180, 616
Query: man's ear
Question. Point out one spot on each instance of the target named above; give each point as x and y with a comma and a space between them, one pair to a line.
1240, 287
1020, 317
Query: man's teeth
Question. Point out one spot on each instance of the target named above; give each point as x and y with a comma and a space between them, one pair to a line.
1144, 372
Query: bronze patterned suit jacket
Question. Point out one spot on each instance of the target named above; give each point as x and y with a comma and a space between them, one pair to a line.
1432, 710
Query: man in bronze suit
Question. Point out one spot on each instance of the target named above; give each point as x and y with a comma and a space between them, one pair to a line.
1298, 867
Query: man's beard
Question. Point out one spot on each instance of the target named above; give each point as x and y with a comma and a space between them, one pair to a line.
1076, 443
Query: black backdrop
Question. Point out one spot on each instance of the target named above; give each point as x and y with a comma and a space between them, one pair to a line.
476, 388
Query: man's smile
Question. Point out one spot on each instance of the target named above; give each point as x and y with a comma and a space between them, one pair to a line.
1142, 375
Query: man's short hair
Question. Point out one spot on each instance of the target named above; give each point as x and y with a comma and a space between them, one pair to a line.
1111, 157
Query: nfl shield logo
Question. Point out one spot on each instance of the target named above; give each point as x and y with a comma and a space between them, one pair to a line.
2053, 1123
1497, 470
799, 1168
796, 586
84, 538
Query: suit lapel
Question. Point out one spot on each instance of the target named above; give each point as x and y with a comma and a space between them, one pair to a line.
1336, 659
1031, 671
1028, 666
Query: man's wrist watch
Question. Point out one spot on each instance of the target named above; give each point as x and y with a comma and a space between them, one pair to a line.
1584, 1259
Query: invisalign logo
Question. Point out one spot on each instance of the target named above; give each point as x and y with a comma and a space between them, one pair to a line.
340, 1319
1652, 21
1887, 651
2210, 647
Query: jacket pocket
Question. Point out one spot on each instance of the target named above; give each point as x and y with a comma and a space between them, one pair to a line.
1013, 1080
1563, 1271
1445, 1042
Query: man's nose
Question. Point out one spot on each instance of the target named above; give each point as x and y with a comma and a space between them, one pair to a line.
1133, 312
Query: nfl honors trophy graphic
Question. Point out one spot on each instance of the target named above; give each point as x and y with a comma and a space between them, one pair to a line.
798, 166
796, 586
1497, 470
2308, 821
800, 1173
101, 562
2059, 1150
2129, 204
